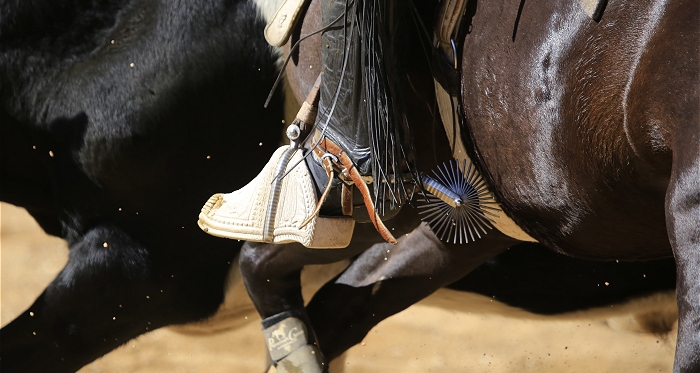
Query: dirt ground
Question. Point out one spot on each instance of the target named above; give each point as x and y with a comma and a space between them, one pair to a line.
424, 338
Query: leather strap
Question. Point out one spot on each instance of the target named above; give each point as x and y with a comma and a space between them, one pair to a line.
327, 146
282, 23
306, 117
445, 59
451, 13
346, 199
328, 166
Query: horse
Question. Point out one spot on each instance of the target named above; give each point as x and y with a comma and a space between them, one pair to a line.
587, 131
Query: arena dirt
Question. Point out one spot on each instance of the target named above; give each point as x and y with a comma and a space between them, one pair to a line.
420, 339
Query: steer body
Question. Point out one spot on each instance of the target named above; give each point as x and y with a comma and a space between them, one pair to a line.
117, 119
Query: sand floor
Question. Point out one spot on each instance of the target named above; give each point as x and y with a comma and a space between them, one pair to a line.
423, 338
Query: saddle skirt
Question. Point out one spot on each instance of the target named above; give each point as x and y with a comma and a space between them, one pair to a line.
501, 222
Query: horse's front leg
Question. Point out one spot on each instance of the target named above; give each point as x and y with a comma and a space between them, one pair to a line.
271, 274
386, 279
683, 223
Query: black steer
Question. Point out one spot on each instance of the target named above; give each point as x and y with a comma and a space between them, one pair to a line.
117, 119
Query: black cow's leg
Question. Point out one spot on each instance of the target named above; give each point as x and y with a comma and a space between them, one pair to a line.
111, 290
374, 288
683, 217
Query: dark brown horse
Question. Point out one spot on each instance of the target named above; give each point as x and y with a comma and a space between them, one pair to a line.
590, 132
587, 131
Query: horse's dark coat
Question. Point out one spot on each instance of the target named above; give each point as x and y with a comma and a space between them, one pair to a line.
590, 132
586, 179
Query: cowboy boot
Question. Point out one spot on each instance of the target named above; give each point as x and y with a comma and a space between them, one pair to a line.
282, 204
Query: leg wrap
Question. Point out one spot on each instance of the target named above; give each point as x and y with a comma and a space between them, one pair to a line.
291, 343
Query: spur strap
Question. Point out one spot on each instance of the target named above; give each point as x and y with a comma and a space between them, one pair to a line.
326, 146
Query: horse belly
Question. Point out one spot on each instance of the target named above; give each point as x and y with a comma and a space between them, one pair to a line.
545, 106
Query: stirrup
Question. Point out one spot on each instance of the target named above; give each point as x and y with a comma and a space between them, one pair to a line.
272, 208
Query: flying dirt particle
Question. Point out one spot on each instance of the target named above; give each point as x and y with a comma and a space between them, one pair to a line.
105, 245
50, 154
132, 65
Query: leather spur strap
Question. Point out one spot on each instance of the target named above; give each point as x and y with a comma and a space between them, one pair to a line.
326, 146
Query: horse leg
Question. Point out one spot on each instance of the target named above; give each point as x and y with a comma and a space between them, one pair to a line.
105, 296
386, 279
271, 274
683, 217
